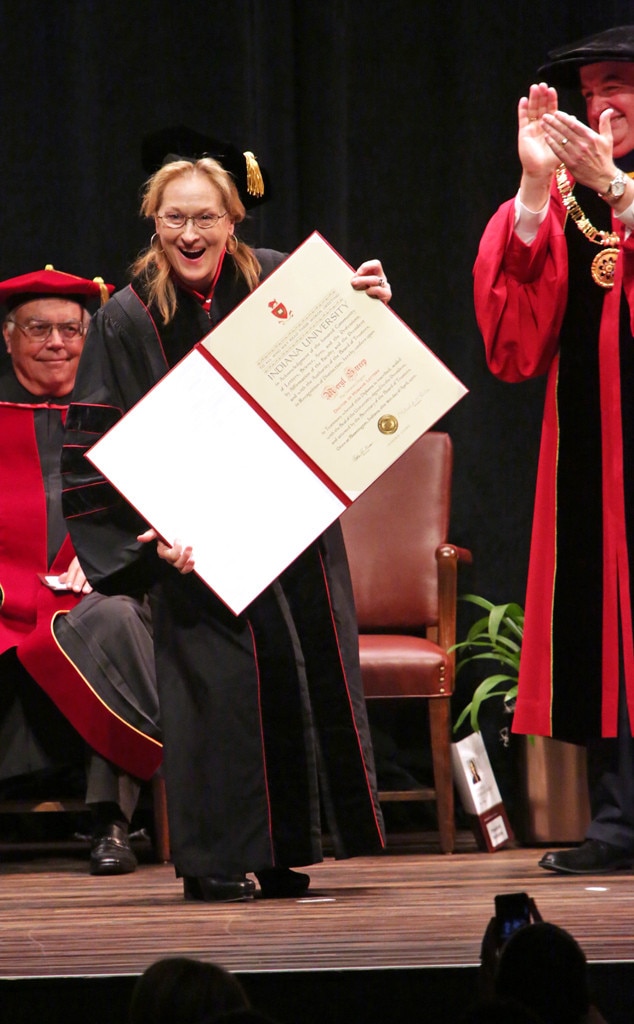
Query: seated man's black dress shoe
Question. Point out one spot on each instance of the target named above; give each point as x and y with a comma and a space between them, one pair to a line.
593, 857
110, 851
218, 888
282, 883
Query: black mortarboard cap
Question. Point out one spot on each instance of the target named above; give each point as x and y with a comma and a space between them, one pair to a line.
562, 67
183, 143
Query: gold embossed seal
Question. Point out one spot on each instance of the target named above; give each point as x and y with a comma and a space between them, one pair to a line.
388, 424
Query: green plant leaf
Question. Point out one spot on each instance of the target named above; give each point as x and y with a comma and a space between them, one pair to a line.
510, 658
476, 599
496, 620
496, 636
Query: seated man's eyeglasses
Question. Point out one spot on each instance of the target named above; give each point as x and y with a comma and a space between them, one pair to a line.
203, 221
41, 330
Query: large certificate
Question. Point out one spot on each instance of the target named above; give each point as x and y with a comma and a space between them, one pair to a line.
275, 422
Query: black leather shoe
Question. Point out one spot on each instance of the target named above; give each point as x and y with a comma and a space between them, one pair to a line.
218, 888
282, 883
110, 852
593, 857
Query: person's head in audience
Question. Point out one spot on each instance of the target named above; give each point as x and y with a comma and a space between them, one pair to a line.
543, 967
181, 990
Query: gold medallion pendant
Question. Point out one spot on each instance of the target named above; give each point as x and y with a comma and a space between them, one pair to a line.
602, 267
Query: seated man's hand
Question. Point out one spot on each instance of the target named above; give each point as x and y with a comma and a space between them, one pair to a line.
75, 578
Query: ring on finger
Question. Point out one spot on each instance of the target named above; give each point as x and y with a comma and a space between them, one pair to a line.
563, 141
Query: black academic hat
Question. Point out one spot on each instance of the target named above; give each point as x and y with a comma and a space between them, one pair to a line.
562, 67
183, 143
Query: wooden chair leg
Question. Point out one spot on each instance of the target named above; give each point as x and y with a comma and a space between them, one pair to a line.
440, 730
161, 828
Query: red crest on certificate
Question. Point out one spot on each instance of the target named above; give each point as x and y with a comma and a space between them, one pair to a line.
279, 310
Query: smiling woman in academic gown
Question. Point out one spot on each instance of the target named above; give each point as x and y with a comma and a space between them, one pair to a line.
266, 740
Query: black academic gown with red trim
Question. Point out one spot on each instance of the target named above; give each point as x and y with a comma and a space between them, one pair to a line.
264, 722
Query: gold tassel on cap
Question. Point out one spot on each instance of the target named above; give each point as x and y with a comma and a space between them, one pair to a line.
103, 291
255, 182
104, 294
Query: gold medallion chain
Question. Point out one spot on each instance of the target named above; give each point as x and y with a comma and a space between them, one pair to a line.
604, 263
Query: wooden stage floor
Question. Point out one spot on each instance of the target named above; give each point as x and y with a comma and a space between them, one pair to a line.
408, 922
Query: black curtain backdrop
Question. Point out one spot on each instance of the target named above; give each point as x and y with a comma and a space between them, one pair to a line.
390, 128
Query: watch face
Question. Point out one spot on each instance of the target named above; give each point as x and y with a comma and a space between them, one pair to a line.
617, 187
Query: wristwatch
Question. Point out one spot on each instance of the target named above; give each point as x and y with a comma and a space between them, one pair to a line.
616, 188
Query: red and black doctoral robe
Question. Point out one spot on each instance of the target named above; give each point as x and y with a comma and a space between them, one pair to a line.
540, 312
34, 542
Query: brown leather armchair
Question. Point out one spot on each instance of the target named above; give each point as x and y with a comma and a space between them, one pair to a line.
404, 575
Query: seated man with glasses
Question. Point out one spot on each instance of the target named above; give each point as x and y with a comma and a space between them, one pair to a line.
77, 682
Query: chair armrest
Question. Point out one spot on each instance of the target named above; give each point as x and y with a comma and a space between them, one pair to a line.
448, 557
463, 555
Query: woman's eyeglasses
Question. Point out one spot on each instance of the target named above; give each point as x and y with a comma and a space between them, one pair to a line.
203, 221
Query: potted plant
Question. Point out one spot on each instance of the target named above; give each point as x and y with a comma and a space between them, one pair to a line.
497, 637
553, 805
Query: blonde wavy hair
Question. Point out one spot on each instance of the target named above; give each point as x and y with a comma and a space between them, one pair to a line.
152, 264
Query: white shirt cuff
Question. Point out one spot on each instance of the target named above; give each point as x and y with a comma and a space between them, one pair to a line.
627, 217
527, 222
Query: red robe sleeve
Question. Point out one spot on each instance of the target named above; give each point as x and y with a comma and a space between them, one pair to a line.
520, 294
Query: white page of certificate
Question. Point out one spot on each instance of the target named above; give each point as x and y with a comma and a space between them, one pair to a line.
271, 426
201, 466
